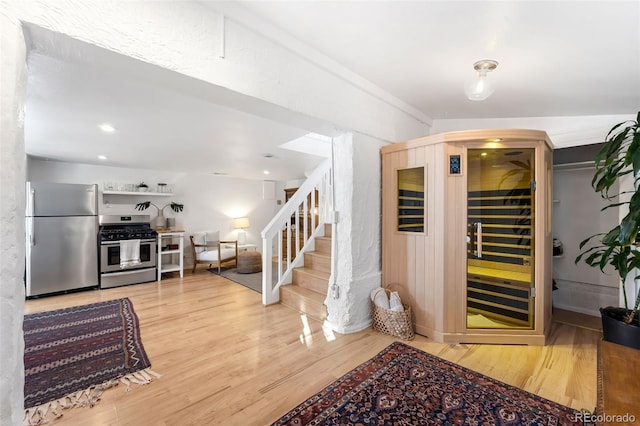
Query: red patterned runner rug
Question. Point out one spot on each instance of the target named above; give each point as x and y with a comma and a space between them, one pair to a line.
72, 355
403, 385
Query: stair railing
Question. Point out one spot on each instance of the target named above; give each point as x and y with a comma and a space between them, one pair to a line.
298, 222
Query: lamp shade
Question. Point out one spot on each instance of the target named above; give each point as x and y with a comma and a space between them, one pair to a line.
241, 223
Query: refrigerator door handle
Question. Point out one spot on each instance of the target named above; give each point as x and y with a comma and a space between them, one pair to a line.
32, 209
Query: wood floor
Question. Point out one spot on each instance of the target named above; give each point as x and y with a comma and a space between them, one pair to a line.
226, 359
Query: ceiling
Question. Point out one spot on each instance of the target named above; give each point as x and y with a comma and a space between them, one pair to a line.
556, 58
157, 127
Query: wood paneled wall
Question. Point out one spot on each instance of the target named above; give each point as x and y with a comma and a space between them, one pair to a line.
428, 269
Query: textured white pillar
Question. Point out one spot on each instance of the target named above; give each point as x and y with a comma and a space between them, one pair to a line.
13, 80
358, 271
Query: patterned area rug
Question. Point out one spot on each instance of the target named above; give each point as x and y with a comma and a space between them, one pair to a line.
72, 355
403, 385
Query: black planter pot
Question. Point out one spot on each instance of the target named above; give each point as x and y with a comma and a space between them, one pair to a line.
615, 330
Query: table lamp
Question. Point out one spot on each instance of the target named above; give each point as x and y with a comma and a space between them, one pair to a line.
241, 223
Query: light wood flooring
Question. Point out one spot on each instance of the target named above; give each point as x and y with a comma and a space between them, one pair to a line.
226, 359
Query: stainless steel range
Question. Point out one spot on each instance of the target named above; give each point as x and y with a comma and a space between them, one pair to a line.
120, 233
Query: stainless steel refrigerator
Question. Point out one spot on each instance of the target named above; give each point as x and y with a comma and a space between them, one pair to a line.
62, 237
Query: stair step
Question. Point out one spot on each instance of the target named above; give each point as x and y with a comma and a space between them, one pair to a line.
318, 261
323, 245
327, 230
311, 279
304, 300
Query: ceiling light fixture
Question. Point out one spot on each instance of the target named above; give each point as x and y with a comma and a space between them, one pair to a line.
266, 172
102, 157
481, 87
107, 128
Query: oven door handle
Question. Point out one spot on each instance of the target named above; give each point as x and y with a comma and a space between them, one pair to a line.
134, 271
117, 243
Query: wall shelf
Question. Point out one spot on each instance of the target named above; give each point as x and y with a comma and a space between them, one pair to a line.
142, 194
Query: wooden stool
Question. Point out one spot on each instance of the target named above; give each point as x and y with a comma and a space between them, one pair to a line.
249, 262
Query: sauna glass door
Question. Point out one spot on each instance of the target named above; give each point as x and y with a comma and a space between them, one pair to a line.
500, 243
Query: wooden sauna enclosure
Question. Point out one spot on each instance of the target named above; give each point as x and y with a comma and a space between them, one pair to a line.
466, 234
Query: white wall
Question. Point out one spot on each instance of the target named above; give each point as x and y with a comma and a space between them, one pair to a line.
563, 131
210, 202
13, 83
577, 215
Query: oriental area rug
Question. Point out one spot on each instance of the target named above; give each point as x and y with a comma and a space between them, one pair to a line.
72, 355
403, 385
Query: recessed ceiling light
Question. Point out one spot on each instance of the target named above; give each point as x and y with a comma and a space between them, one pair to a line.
219, 173
102, 157
494, 140
268, 155
107, 128
266, 172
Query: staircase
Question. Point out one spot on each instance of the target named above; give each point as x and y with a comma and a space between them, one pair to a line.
308, 288
287, 259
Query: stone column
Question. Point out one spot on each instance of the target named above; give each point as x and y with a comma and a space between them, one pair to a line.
13, 82
358, 266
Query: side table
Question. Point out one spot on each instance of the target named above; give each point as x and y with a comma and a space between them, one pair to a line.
170, 239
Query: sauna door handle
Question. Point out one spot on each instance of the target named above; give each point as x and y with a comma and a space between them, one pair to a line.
478, 226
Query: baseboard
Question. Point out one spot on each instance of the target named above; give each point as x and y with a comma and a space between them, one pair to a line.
577, 319
577, 309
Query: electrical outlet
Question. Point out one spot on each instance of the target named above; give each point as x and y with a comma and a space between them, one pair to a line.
335, 291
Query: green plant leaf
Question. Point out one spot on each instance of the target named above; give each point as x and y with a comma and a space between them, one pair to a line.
618, 157
143, 206
176, 207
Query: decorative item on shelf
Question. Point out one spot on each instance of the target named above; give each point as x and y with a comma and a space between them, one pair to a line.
618, 248
142, 187
241, 223
162, 188
160, 220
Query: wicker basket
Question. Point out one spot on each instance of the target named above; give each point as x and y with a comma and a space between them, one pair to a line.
391, 322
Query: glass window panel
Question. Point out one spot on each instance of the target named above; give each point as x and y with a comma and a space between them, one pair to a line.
411, 207
500, 238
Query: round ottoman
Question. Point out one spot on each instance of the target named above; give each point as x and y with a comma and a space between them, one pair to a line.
249, 262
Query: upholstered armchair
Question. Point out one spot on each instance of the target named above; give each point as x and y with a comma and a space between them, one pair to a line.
206, 247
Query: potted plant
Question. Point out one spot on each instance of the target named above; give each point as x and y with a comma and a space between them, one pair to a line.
160, 221
142, 187
619, 157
